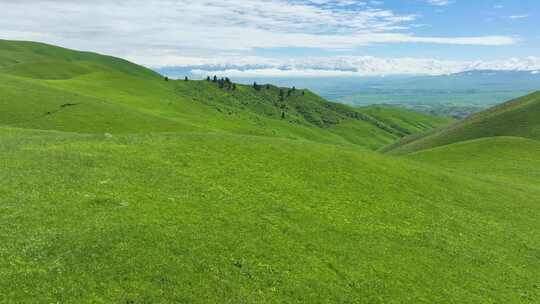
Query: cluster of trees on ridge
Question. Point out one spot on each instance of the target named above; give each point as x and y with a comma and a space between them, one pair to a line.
226, 83
223, 83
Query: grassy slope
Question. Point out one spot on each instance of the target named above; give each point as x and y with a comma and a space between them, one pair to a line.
209, 214
518, 118
201, 218
42, 61
505, 159
406, 121
64, 89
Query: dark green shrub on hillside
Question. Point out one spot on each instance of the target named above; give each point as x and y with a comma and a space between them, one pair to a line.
310, 117
329, 119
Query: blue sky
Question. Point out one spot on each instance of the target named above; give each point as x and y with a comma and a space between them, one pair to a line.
475, 18
292, 37
510, 18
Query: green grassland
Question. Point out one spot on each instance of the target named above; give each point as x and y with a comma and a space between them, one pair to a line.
117, 186
519, 117
511, 160
200, 218
405, 121
84, 92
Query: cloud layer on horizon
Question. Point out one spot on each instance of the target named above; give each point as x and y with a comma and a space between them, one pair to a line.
349, 66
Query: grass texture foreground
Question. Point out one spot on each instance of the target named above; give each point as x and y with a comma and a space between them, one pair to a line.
117, 186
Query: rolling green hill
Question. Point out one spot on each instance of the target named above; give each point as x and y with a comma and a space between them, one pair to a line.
85, 92
508, 159
405, 121
42, 61
117, 186
201, 218
519, 117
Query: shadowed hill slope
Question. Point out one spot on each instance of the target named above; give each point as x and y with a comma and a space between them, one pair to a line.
519, 118
407, 122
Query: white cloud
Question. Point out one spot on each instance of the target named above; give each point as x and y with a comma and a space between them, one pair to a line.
188, 28
439, 2
518, 16
349, 66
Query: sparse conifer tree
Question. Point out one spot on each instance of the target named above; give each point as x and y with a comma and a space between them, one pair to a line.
215, 78
208, 78
186, 79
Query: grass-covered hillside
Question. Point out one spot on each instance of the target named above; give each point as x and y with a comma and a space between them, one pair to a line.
519, 118
42, 61
407, 122
117, 186
509, 159
200, 218
51, 88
